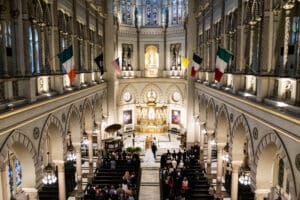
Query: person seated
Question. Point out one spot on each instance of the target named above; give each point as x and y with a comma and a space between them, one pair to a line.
113, 164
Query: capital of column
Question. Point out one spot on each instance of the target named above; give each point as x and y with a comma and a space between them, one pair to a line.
77, 146
89, 132
210, 132
221, 145
202, 123
236, 165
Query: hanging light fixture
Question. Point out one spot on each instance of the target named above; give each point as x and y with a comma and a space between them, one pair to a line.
245, 178
225, 156
49, 173
71, 156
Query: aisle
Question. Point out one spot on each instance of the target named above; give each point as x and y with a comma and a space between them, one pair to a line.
149, 188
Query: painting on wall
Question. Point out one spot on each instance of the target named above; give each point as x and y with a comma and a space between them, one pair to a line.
175, 116
127, 117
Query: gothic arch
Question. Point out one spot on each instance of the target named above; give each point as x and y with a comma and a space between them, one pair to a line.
50, 120
202, 107
155, 88
273, 138
132, 90
211, 115
241, 121
171, 89
222, 123
73, 124
23, 147
86, 119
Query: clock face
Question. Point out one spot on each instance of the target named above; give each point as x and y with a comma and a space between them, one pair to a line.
127, 96
176, 96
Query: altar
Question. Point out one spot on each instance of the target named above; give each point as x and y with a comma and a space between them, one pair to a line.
151, 118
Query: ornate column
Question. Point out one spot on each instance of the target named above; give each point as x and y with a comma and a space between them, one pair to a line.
61, 178
252, 25
287, 26
220, 148
31, 192
90, 149
54, 39
87, 50
4, 183
42, 53
26, 25
17, 38
202, 133
235, 179
79, 192
3, 42
209, 139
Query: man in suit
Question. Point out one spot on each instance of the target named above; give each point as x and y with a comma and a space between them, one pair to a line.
154, 149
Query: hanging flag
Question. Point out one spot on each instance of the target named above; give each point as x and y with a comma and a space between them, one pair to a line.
222, 60
185, 62
196, 64
116, 65
99, 62
67, 59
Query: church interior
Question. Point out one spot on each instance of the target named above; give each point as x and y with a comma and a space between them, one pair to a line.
153, 99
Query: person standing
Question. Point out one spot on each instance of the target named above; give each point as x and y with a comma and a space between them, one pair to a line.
154, 149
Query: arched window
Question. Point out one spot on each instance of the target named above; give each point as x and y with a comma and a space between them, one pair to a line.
34, 51
126, 12
151, 12
177, 11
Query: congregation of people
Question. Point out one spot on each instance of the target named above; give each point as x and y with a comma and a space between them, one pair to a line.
179, 170
116, 177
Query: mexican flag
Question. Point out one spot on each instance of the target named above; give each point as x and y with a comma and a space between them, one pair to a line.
222, 60
67, 59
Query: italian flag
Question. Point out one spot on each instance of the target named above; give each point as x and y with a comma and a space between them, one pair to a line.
222, 60
67, 59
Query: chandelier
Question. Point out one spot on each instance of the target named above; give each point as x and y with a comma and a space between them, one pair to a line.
226, 156
245, 178
49, 173
71, 156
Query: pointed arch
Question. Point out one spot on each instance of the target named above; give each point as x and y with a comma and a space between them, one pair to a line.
273, 138
210, 115
222, 124
88, 116
50, 120
132, 90
241, 121
24, 148
155, 88
73, 123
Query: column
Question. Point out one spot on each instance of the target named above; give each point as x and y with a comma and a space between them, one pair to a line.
31, 192
87, 49
197, 130
54, 39
234, 179
61, 178
202, 133
298, 56
79, 192
3, 42
209, 139
90, 149
287, 26
220, 148
99, 145
42, 41
4, 183
13, 167
26, 25
252, 25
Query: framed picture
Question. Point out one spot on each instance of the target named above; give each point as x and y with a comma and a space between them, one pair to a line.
127, 117
175, 116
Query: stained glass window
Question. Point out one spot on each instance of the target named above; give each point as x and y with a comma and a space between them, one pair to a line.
295, 29
151, 12
126, 11
18, 173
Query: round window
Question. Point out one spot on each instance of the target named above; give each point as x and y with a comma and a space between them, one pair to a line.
176, 96
127, 96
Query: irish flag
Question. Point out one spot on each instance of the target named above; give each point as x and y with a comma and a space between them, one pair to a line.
222, 60
67, 59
